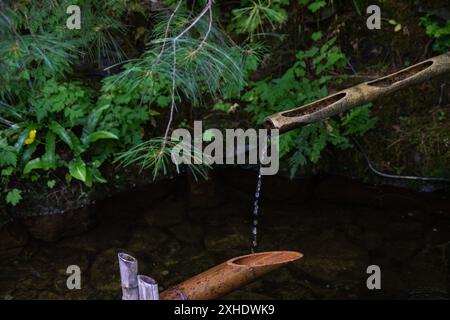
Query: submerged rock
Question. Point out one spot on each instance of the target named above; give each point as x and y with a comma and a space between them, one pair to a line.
12, 235
56, 226
188, 232
146, 240
48, 295
167, 213
332, 258
425, 275
225, 239
205, 193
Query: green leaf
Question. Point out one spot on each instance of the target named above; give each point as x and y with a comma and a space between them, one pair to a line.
7, 171
28, 152
14, 197
61, 133
51, 184
94, 117
316, 36
7, 157
38, 163
21, 141
98, 176
99, 135
50, 153
89, 178
317, 5
77, 169
76, 143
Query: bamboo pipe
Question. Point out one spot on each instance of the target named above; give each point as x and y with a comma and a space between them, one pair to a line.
128, 276
229, 276
148, 288
359, 94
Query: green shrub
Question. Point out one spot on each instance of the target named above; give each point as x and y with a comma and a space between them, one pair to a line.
306, 81
441, 33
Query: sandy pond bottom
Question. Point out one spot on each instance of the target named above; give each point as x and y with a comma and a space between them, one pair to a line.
341, 226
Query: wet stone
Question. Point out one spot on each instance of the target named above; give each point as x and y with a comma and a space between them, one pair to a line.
12, 235
146, 240
205, 193
167, 213
425, 275
103, 237
48, 295
332, 258
56, 226
22, 294
188, 233
7, 286
293, 291
224, 239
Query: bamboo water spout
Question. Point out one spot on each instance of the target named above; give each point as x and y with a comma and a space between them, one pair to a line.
359, 94
229, 276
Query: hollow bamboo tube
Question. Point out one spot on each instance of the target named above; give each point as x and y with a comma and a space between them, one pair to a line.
359, 94
148, 288
128, 276
229, 276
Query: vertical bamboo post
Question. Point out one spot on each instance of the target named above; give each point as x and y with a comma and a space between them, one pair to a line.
128, 276
148, 288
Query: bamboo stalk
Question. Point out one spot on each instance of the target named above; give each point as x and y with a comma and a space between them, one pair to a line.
148, 288
128, 276
359, 94
230, 275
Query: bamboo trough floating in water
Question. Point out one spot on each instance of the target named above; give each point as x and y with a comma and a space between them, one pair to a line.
213, 283
360, 94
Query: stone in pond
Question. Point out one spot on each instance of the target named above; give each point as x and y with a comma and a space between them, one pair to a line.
146, 240
332, 258
56, 226
222, 239
188, 233
167, 213
12, 235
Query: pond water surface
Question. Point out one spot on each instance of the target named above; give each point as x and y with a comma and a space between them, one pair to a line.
340, 225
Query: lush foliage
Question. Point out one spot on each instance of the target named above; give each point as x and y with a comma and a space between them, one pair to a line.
440, 32
304, 82
48, 121
73, 100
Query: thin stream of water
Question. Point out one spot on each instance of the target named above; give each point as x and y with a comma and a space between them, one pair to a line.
256, 212
256, 203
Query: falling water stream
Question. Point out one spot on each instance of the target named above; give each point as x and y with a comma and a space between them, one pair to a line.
257, 195
256, 212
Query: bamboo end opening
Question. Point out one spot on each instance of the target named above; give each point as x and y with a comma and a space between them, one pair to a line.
266, 258
127, 258
147, 280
